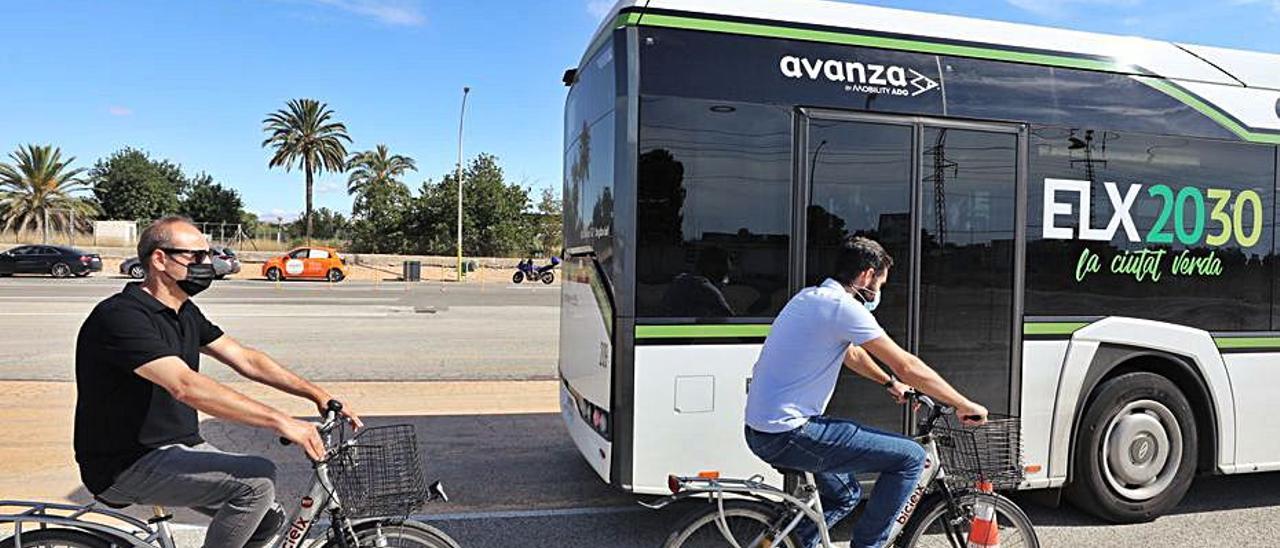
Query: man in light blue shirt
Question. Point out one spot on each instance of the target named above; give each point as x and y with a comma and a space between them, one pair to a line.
821, 328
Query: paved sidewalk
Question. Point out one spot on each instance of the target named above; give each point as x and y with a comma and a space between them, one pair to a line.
37, 461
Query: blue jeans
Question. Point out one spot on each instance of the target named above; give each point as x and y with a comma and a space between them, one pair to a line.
835, 451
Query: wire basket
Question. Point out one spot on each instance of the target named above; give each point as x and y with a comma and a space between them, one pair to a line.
380, 474
991, 452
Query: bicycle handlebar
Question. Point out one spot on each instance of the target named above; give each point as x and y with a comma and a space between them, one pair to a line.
936, 410
333, 411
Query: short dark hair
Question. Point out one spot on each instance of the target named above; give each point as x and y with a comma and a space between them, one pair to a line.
857, 254
158, 235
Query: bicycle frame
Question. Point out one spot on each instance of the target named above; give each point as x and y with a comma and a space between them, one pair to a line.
301, 519
143, 534
156, 532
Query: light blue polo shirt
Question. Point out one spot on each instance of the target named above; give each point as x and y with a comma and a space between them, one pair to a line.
797, 370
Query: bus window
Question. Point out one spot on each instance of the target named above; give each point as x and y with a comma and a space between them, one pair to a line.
1171, 229
967, 259
713, 209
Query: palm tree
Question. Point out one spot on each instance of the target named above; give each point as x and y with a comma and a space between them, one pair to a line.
303, 134
37, 189
376, 167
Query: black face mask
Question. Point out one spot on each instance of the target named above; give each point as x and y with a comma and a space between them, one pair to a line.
199, 278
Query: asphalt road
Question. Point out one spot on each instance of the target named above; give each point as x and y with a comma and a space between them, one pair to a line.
347, 331
516, 480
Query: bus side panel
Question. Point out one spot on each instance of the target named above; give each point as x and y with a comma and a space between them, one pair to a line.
1184, 341
1254, 379
595, 449
1041, 368
586, 355
692, 398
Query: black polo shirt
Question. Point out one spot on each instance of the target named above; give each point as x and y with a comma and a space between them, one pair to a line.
121, 416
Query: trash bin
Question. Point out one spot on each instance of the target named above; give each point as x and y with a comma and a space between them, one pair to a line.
470, 266
412, 271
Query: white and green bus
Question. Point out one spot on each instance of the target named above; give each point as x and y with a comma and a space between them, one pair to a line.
1083, 227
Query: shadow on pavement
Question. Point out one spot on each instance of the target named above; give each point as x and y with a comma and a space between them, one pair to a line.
487, 462
1207, 494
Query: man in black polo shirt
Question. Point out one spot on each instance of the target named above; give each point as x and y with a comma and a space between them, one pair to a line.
138, 387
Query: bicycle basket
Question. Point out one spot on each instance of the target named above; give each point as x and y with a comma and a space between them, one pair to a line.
991, 452
380, 474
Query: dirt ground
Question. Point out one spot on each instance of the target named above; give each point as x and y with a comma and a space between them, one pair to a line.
39, 463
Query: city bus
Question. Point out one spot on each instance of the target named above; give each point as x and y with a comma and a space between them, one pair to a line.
1083, 229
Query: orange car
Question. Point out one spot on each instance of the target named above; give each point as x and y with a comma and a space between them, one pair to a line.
307, 262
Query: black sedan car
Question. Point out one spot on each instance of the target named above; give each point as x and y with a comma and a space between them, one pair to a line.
56, 260
224, 259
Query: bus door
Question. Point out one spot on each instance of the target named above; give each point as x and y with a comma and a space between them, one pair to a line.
943, 199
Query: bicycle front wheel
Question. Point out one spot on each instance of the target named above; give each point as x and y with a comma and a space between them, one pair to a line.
750, 524
928, 527
397, 534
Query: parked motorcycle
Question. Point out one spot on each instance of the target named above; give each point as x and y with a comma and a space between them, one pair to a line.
527, 271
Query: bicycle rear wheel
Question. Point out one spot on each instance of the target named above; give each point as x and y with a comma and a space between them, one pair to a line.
927, 528
56, 538
397, 534
749, 523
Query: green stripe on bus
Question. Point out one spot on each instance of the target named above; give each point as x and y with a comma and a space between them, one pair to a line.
1168, 88
936, 48
700, 331
1051, 328
1247, 342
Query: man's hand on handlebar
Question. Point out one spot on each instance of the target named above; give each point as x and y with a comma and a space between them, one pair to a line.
898, 391
305, 435
971, 414
323, 406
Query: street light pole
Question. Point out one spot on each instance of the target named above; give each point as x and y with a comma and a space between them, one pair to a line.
458, 176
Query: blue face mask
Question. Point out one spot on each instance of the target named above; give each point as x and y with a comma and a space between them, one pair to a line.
872, 304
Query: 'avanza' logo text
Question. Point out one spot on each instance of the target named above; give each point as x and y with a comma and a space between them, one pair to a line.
861, 77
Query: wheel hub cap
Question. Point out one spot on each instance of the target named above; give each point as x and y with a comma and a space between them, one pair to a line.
1142, 450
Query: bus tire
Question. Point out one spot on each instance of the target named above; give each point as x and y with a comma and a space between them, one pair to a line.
1136, 449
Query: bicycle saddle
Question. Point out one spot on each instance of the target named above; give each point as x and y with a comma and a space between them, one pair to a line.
789, 472
791, 478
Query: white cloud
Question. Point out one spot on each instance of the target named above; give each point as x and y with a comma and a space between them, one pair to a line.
1060, 8
599, 8
1273, 4
117, 110
329, 187
405, 13
277, 215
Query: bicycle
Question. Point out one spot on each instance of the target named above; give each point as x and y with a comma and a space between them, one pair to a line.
962, 466
368, 485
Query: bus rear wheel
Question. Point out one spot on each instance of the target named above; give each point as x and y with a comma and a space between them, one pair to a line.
1136, 449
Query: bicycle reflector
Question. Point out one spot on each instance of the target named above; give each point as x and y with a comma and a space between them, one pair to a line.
709, 474
673, 483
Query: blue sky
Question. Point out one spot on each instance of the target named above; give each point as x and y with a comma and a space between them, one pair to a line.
191, 81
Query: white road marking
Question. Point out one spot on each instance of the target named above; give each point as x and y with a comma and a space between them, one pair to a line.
203, 300
518, 514
235, 315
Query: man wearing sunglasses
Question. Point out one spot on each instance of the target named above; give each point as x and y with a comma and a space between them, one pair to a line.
139, 387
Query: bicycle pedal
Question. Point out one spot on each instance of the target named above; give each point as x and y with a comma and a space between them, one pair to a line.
436, 491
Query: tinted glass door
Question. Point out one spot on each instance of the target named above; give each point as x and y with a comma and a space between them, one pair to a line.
967, 259
859, 184
942, 200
